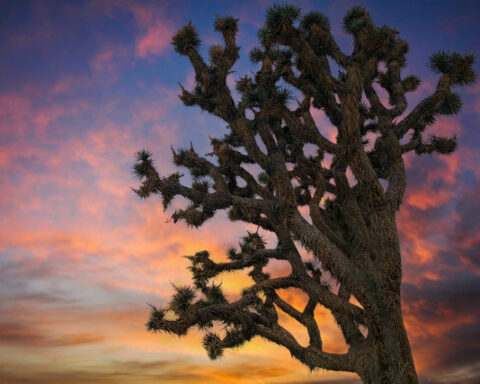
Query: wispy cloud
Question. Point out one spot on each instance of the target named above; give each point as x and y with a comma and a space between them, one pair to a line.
155, 27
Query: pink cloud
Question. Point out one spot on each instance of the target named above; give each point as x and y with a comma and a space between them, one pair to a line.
143, 15
13, 104
154, 40
155, 30
429, 195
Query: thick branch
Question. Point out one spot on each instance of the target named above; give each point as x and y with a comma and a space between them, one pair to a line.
311, 356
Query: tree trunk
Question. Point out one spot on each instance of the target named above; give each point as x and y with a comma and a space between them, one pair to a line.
388, 357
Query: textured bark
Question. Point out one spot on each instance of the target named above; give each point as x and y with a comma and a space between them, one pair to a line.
350, 229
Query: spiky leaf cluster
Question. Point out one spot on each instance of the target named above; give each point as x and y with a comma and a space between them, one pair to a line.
144, 163
356, 19
440, 145
156, 316
213, 345
214, 294
450, 105
182, 299
315, 18
271, 96
410, 83
279, 16
185, 39
226, 24
457, 66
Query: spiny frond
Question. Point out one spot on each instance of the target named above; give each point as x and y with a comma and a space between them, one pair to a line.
443, 145
256, 55
143, 155
315, 18
214, 294
144, 163
277, 95
138, 170
227, 23
427, 120
282, 95
282, 56
281, 14
186, 38
244, 84
232, 254
450, 105
440, 145
410, 83
440, 62
213, 345
458, 67
156, 316
182, 299
356, 19
252, 242
263, 35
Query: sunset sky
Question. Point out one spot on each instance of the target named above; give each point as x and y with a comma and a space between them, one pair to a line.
86, 84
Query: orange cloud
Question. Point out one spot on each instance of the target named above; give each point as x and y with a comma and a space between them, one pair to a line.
19, 335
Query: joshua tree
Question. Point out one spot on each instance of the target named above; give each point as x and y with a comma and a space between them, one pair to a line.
347, 225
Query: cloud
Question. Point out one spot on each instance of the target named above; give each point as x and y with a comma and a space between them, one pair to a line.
465, 374
155, 30
22, 335
163, 371
465, 236
338, 381
442, 321
155, 40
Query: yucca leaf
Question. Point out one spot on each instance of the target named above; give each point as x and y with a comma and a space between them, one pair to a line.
213, 345
356, 19
316, 18
186, 38
227, 23
280, 14
182, 299
450, 105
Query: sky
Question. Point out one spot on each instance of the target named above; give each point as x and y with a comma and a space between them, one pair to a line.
86, 84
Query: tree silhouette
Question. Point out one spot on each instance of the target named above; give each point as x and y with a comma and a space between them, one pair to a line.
347, 225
